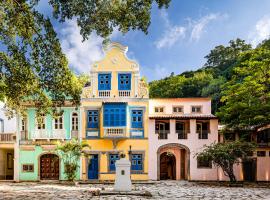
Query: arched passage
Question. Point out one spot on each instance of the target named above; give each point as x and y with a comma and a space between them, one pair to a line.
49, 167
173, 162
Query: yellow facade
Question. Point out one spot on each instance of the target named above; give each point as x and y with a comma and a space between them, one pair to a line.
103, 140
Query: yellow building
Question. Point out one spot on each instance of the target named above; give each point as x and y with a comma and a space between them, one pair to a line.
114, 113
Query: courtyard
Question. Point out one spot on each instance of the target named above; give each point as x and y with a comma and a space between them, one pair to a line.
159, 190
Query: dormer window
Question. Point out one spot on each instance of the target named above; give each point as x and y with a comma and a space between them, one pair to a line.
124, 81
196, 109
104, 81
159, 109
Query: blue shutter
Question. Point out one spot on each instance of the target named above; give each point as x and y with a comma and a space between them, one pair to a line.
136, 119
124, 81
114, 114
136, 162
92, 119
104, 81
112, 159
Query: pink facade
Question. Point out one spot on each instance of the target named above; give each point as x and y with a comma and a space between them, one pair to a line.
186, 140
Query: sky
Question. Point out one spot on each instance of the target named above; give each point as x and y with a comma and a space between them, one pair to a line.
178, 38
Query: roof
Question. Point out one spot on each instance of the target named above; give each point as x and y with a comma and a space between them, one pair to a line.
183, 116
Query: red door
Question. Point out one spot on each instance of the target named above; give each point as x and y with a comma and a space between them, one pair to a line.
49, 167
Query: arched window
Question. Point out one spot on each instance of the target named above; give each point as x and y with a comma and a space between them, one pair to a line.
74, 121
58, 122
1, 125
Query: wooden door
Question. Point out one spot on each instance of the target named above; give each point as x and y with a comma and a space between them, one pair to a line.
93, 167
49, 167
249, 169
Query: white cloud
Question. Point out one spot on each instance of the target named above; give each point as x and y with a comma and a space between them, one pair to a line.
198, 27
261, 31
172, 33
81, 54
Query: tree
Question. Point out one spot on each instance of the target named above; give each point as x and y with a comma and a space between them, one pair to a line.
70, 153
246, 97
32, 65
226, 155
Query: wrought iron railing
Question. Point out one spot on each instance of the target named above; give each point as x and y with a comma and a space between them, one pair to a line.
162, 134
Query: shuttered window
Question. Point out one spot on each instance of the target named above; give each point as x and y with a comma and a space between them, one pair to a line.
124, 81
92, 119
112, 159
136, 119
136, 162
114, 114
104, 81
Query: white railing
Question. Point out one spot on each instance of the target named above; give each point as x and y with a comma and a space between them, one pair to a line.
115, 132
43, 134
7, 137
104, 93
124, 93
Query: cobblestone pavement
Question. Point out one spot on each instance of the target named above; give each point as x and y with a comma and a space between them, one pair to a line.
160, 190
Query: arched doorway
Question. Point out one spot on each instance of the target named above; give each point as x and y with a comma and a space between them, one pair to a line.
167, 166
49, 167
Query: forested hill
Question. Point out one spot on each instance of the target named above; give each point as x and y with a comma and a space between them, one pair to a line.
206, 81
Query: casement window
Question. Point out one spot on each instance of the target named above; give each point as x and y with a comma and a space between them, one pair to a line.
261, 153
124, 81
28, 167
137, 162
136, 119
202, 163
196, 109
74, 122
41, 122
92, 119
1, 125
159, 109
180, 130
112, 159
58, 123
202, 130
162, 128
104, 81
177, 109
114, 114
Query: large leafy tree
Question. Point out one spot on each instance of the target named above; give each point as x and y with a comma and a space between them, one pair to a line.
226, 155
246, 96
32, 65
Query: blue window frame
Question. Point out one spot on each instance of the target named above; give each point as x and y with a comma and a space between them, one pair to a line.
92, 119
124, 81
136, 162
114, 114
112, 159
136, 119
104, 81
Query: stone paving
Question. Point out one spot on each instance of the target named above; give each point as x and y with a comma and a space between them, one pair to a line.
160, 190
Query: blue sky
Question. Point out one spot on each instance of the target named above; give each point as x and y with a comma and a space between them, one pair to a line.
178, 37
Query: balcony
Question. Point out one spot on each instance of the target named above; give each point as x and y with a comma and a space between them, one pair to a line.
124, 93
263, 144
44, 135
115, 132
182, 134
7, 138
203, 134
104, 93
162, 134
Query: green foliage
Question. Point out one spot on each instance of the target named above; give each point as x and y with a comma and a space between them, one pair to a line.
70, 152
102, 16
246, 96
226, 155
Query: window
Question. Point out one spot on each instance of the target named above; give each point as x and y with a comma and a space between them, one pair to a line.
261, 153
28, 167
104, 82
92, 119
41, 122
202, 129
74, 121
180, 130
136, 162
1, 125
136, 119
178, 109
114, 114
112, 159
124, 81
162, 129
159, 109
58, 122
23, 125
202, 163
196, 109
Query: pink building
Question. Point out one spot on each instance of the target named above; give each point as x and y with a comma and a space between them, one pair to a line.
178, 129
